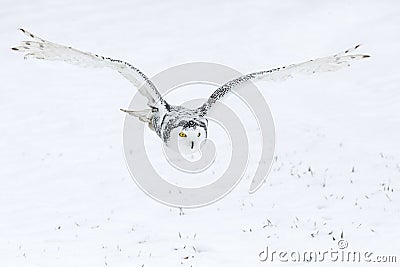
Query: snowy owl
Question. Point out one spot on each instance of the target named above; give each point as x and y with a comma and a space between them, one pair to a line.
177, 126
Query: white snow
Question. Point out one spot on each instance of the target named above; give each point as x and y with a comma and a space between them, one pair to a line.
66, 196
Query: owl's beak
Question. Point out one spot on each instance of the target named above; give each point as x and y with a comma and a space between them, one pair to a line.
192, 145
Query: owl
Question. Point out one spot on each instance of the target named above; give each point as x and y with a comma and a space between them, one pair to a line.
177, 126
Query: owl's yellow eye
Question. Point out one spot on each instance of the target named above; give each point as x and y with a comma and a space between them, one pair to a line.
182, 134
198, 135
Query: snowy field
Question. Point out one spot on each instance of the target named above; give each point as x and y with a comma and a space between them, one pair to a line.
66, 196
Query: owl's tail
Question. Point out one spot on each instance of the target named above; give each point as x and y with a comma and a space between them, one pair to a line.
143, 115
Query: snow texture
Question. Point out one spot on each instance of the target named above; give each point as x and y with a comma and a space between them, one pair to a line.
67, 198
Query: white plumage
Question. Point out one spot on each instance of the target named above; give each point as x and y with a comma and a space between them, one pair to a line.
176, 124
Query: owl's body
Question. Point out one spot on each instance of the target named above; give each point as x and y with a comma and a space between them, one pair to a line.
163, 119
166, 119
177, 126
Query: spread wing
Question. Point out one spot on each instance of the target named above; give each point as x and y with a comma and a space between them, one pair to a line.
42, 49
325, 64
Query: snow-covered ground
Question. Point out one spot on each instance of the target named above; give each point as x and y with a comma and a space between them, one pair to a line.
66, 196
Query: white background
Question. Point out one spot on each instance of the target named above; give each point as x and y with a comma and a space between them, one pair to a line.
66, 197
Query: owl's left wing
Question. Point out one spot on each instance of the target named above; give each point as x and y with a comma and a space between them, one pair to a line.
325, 64
42, 49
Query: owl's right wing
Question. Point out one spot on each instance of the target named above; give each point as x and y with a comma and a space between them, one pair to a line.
324, 64
43, 49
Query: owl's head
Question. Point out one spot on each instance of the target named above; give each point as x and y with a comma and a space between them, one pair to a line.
191, 135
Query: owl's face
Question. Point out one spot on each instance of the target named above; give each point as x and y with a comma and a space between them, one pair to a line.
191, 136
